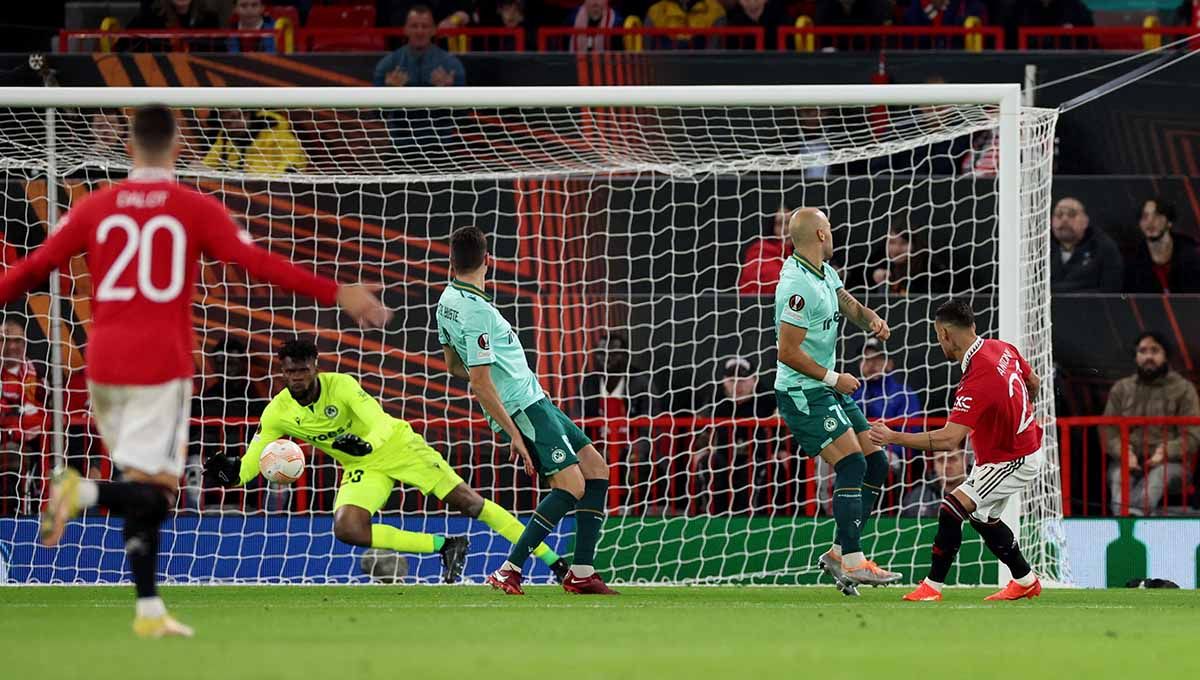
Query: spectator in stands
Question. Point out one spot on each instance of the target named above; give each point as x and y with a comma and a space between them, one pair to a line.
766, 14
20, 415
510, 14
910, 268
925, 496
882, 393
249, 16
1082, 259
853, 13
230, 390
1157, 454
1164, 261
944, 12
419, 63
261, 144
595, 14
108, 128
764, 258
729, 458
681, 13
176, 15
814, 134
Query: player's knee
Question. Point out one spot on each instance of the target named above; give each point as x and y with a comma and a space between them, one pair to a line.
850, 472
952, 510
352, 532
470, 505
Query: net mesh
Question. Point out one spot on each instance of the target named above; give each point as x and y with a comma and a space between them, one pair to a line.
636, 250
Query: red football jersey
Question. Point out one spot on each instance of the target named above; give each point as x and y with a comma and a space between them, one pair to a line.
144, 238
992, 400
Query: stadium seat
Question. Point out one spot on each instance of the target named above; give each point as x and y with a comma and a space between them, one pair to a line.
344, 17
285, 12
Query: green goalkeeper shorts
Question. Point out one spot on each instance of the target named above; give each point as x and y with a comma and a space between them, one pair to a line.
818, 416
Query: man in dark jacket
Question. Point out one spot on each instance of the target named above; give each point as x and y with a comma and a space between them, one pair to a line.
1164, 261
1082, 260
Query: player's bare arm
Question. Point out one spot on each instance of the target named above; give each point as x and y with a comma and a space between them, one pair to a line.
489, 398
946, 438
454, 363
1032, 384
862, 316
794, 357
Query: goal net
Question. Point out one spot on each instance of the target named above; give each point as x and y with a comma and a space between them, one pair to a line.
636, 235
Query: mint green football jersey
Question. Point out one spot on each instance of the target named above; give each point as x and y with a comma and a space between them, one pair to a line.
469, 322
807, 298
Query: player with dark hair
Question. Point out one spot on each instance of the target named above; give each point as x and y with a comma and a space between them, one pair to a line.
814, 399
333, 413
482, 347
994, 404
144, 238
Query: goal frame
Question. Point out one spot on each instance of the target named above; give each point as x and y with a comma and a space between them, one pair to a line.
1006, 97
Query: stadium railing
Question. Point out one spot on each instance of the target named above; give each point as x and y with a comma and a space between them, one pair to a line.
1083, 441
632, 39
807, 37
174, 40
1103, 38
296, 39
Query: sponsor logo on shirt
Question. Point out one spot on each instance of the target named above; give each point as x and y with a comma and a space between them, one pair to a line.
331, 411
796, 303
963, 404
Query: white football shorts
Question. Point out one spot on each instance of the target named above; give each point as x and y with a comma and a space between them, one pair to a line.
144, 427
990, 485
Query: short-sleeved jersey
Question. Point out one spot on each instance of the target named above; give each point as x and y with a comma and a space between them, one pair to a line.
807, 298
469, 322
993, 401
341, 407
144, 238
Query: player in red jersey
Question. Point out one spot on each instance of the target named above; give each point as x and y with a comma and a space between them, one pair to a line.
994, 404
144, 238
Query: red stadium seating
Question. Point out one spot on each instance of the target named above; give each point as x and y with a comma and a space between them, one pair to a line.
344, 17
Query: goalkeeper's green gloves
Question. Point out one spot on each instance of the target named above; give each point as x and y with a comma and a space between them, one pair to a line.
352, 445
222, 470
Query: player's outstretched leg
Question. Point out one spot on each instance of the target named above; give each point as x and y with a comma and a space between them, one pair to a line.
946, 543
352, 525
467, 501
144, 505
1000, 540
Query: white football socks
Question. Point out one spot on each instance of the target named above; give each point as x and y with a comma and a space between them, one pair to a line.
934, 584
853, 560
582, 570
509, 566
1026, 580
150, 607
89, 493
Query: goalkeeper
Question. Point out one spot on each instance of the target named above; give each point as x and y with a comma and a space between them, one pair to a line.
333, 413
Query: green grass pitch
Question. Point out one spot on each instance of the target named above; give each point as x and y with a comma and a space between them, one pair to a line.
363, 633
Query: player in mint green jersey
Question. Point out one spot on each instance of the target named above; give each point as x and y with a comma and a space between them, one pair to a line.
483, 348
333, 413
814, 400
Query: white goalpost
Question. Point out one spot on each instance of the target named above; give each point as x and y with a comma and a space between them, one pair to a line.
625, 223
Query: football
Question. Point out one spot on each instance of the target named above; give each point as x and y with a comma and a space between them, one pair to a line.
384, 566
281, 461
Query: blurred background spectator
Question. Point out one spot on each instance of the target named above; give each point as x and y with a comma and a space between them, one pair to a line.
909, 268
882, 393
419, 63
1157, 454
853, 13
262, 143
1082, 259
21, 416
731, 459
109, 131
679, 14
249, 15
944, 12
767, 14
173, 14
764, 257
948, 470
1164, 261
595, 14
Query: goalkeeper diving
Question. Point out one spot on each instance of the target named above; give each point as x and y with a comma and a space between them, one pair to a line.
334, 414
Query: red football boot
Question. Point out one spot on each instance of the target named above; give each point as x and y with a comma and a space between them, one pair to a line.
591, 585
507, 580
924, 593
1016, 591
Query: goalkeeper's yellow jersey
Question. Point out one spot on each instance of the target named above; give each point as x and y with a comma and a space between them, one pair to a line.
342, 407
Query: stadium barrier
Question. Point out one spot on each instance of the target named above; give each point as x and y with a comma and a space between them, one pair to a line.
1086, 465
1103, 37
807, 37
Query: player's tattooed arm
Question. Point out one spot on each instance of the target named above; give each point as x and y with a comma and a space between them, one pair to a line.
861, 315
454, 363
946, 438
1032, 384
